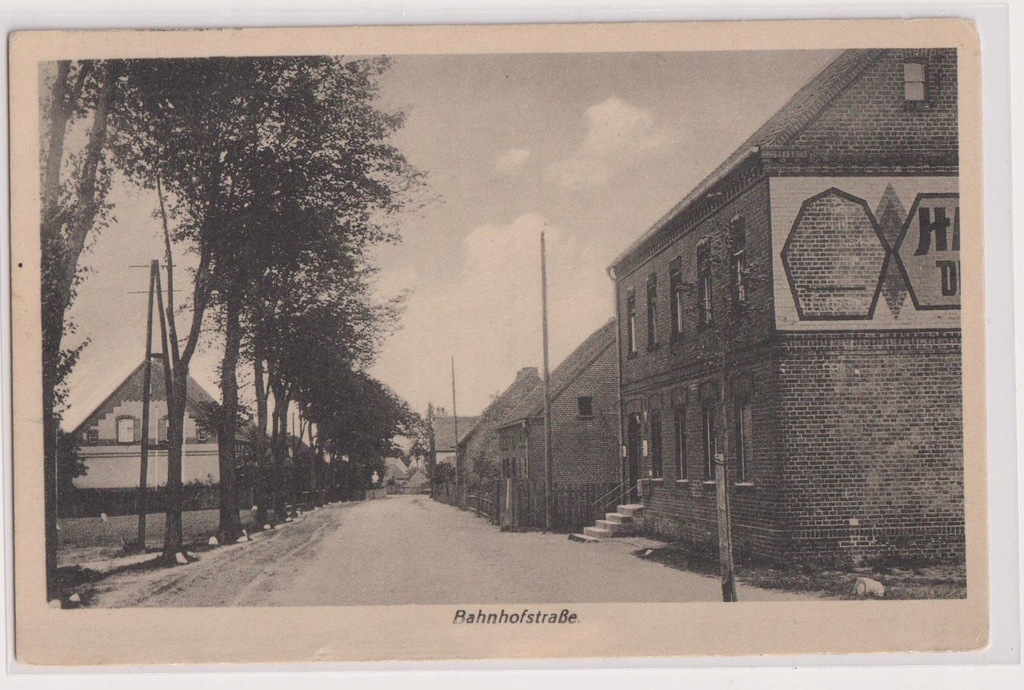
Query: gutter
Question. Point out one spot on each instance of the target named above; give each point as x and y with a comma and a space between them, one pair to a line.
700, 190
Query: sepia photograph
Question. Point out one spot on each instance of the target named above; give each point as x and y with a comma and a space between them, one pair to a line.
501, 332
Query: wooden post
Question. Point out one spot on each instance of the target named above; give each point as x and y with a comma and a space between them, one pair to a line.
724, 529
547, 388
165, 356
147, 380
722, 489
455, 430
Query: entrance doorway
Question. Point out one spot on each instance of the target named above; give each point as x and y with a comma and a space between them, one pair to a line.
633, 449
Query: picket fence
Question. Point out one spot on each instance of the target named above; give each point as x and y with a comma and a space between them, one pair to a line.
518, 504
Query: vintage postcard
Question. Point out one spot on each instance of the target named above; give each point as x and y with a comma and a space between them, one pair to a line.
514, 342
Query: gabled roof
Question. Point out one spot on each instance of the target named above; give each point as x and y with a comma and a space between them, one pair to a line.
131, 389
578, 361
444, 431
395, 468
784, 126
527, 380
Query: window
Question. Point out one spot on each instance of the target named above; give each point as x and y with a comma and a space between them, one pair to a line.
738, 235
704, 281
586, 405
631, 323
656, 464
93, 435
744, 440
710, 441
202, 435
161, 430
652, 312
913, 81
126, 430
680, 424
675, 287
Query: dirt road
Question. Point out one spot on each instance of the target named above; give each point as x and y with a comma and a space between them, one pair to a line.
411, 550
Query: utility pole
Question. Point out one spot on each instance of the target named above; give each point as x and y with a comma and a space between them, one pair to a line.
455, 423
724, 511
547, 388
721, 465
147, 382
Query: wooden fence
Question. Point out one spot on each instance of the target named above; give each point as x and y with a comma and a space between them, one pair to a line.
518, 504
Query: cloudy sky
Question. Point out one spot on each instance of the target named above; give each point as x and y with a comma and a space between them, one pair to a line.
592, 149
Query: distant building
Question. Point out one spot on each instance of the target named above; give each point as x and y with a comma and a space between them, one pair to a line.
480, 449
395, 469
443, 427
798, 314
109, 439
584, 419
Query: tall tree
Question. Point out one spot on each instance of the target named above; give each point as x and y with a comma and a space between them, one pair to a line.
278, 175
75, 179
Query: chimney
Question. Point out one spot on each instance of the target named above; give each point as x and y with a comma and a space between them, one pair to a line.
527, 372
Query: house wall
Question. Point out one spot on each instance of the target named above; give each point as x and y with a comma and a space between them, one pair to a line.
117, 466
106, 425
110, 464
871, 123
857, 425
687, 372
586, 449
873, 432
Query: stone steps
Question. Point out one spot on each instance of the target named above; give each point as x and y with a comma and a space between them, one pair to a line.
620, 523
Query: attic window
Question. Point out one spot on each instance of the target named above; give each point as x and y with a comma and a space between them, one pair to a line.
126, 430
586, 405
913, 81
202, 435
93, 435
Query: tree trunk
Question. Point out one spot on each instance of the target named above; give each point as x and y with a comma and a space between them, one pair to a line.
175, 441
261, 393
60, 253
230, 524
280, 451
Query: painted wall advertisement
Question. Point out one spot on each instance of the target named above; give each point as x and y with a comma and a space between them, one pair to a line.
866, 252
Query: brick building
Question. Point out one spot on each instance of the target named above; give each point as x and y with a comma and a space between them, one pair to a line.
798, 312
480, 449
584, 419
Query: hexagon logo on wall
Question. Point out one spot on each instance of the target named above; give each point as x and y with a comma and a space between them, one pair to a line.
834, 258
928, 251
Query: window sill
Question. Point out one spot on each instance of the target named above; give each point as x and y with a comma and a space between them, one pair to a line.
682, 481
656, 480
745, 485
709, 482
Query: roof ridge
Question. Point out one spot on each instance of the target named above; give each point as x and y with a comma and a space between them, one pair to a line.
849, 64
516, 414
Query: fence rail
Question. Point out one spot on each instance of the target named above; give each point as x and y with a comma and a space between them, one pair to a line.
519, 504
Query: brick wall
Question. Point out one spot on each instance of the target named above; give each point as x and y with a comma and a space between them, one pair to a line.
873, 432
586, 449
745, 327
583, 449
872, 122
683, 505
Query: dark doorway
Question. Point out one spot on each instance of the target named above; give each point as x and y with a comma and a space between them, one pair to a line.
633, 455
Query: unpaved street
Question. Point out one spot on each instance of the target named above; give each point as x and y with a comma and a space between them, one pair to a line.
411, 550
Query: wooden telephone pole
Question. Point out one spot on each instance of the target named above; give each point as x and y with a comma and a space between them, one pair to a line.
147, 382
548, 522
455, 424
724, 509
